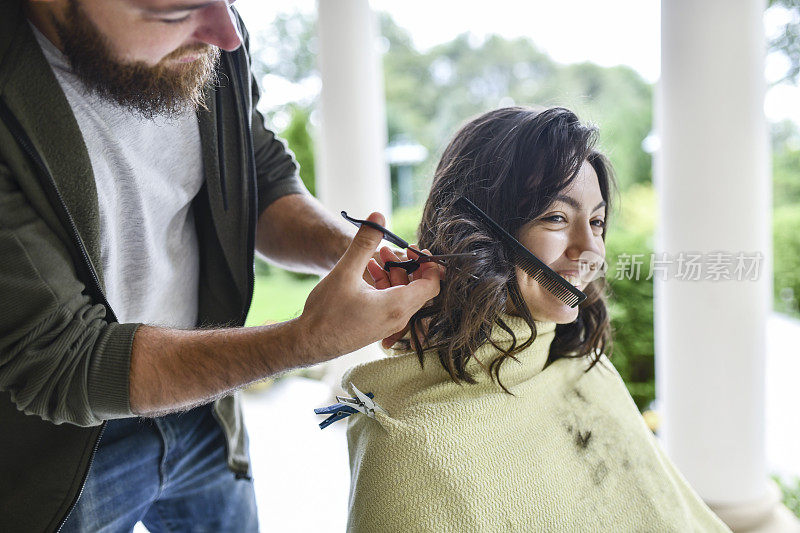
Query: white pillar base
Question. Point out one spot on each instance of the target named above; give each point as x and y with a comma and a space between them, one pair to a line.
767, 515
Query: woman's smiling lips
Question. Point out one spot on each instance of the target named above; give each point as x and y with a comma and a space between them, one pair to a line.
572, 276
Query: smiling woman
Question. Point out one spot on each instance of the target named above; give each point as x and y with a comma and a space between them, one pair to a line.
569, 231
536, 173
507, 414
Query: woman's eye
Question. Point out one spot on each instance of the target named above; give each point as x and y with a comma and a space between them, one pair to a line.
558, 219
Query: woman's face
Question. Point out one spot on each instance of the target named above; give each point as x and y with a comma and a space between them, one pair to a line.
570, 230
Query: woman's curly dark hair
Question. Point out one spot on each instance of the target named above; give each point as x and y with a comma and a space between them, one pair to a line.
512, 163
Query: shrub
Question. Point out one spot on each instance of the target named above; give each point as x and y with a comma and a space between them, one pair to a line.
405, 221
786, 252
630, 236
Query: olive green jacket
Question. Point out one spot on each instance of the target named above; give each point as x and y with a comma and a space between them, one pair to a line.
64, 358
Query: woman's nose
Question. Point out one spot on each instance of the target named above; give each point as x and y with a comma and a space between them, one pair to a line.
219, 27
583, 239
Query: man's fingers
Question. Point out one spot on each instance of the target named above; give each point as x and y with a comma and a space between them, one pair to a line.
427, 281
379, 275
386, 253
368, 277
397, 276
362, 247
425, 267
408, 299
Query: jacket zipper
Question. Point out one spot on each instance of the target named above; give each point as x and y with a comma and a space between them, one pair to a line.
240, 86
220, 149
85, 475
24, 141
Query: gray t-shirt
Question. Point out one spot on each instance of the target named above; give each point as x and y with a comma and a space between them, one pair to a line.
147, 172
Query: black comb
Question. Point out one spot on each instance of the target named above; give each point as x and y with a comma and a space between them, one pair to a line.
523, 258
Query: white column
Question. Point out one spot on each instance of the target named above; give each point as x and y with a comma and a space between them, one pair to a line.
353, 174
712, 175
352, 171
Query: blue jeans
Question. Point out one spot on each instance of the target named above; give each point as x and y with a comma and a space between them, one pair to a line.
170, 473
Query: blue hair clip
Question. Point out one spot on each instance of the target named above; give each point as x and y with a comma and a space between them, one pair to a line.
362, 403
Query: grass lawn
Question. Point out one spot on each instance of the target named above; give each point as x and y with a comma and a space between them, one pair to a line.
278, 296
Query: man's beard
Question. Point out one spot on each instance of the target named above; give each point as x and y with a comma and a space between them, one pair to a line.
167, 88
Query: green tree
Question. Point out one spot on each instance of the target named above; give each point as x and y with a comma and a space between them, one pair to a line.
620, 102
288, 49
785, 163
300, 142
430, 94
786, 251
630, 240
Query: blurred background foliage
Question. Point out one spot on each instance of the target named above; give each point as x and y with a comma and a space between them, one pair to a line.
787, 41
429, 94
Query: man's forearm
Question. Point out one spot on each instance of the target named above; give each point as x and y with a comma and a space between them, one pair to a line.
174, 370
297, 233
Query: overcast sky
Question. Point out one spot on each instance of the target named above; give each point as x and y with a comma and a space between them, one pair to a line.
607, 32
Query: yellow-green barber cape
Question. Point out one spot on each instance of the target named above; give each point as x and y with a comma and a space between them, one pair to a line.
567, 452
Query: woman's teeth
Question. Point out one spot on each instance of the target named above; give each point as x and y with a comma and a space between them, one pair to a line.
574, 280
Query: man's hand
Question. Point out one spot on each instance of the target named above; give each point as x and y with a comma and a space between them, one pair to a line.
175, 369
344, 313
396, 277
377, 260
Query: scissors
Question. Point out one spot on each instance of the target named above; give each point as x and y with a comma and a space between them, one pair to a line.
411, 265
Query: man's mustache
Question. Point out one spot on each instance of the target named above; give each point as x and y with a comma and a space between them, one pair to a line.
189, 49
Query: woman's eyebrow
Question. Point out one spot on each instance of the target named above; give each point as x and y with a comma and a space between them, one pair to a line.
574, 203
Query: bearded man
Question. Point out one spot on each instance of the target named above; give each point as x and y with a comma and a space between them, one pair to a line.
137, 180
